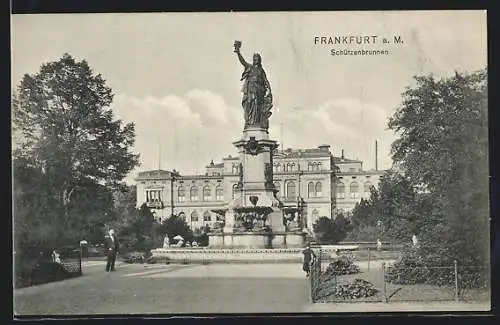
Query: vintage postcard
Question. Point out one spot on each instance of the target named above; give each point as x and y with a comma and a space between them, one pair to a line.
250, 162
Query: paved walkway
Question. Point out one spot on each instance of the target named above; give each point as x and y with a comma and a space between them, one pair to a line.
166, 289
188, 289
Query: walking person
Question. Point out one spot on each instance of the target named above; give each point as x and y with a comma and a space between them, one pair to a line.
308, 259
112, 247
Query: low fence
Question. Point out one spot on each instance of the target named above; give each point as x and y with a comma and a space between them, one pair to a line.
384, 281
48, 266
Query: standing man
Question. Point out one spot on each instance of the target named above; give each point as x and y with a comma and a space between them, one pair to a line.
308, 258
112, 247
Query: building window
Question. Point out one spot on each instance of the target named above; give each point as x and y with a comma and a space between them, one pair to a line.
314, 216
277, 186
366, 188
354, 189
310, 189
290, 189
314, 166
290, 167
207, 216
236, 169
182, 194
194, 216
193, 193
318, 189
153, 196
219, 193
234, 190
340, 190
207, 195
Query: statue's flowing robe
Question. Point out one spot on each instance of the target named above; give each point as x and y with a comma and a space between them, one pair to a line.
255, 103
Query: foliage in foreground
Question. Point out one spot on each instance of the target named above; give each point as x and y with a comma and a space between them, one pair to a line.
442, 150
341, 266
69, 154
438, 188
356, 289
413, 269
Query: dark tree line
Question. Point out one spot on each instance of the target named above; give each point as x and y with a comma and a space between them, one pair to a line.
70, 155
438, 188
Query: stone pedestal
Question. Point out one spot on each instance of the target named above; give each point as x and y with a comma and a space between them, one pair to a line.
255, 193
256, 186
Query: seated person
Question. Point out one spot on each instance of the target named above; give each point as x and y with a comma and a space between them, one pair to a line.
56, 257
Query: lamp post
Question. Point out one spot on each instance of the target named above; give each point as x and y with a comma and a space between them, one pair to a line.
172, 179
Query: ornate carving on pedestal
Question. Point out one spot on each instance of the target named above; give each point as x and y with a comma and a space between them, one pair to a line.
253, 147
254, 199
239, 186
268, 172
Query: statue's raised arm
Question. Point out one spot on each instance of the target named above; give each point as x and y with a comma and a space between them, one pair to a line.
237, 45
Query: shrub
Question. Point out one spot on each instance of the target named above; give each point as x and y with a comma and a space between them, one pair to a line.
46, 272
402, 273
341, 266
356, 289
135, 257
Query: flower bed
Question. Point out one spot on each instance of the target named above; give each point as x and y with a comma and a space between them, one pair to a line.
352, 290
341, 266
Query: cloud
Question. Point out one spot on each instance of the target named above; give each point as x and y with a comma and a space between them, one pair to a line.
344, 123
185, 131
209, 104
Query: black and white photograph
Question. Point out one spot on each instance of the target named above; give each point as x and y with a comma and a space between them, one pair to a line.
250, 162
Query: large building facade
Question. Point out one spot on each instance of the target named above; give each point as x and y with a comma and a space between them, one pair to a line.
312, 180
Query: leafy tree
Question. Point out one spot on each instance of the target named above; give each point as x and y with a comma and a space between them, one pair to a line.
124, 207
443, 151
174, 226
140, 231
68, 154
394, 212
66, 131
330, 231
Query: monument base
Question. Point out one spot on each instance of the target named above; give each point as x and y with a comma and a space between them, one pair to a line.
256, 240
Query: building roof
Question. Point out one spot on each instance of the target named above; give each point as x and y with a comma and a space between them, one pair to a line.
212, 165
156, 174
321, 151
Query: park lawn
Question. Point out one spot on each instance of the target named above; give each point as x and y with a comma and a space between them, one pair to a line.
397, 292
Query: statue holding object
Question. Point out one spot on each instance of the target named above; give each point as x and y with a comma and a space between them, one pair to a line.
257, 97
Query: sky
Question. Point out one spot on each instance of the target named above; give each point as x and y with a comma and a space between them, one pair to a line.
175, 75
